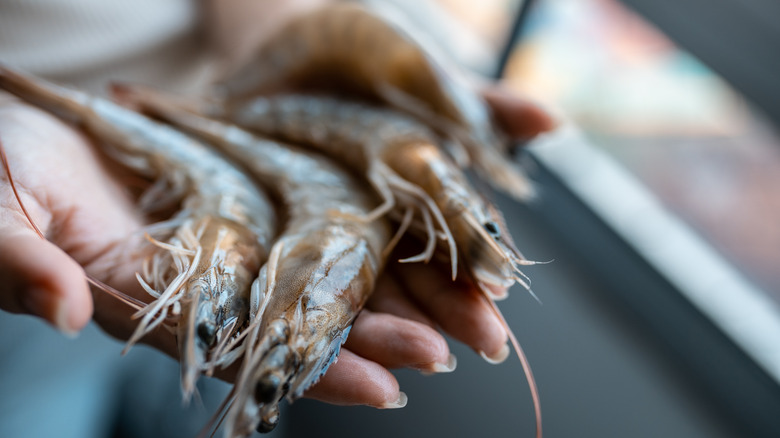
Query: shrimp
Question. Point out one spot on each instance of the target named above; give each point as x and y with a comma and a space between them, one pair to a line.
347, 48
399, 157
202, 274
320, 273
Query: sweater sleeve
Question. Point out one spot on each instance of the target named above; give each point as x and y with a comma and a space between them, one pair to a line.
86, 42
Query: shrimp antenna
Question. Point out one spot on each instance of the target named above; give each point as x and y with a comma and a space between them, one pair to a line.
529, 376
215, 421
127, 299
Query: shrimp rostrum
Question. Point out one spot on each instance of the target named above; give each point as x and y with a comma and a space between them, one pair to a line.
319, 275
201, 270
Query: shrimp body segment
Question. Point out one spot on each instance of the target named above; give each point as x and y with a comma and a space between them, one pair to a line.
319, 275
202, 271
346, 47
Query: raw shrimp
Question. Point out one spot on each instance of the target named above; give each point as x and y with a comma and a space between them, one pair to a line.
320, 273
217, 241
399, 156
345, 47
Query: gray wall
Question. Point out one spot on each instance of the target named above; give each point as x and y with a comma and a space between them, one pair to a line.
739, 39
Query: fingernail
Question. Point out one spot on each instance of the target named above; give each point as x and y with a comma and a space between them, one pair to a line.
62, 322
497, 358
401, 402
497, 293
43, 303
448, 367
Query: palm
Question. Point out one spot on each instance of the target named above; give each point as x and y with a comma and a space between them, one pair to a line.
80, 206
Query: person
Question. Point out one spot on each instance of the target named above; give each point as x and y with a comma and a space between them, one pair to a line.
82, 204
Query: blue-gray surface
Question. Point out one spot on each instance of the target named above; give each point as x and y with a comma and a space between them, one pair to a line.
52, 386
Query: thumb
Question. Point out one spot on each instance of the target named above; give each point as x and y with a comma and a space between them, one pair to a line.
520, 118
38, 278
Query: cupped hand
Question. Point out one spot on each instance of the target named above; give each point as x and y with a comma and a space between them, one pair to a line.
80, 202
77, 202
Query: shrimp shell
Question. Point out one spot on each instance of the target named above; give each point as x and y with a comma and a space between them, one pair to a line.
347, 48
201, 275
320, 273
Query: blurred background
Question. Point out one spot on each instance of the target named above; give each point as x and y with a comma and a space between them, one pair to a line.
659, 209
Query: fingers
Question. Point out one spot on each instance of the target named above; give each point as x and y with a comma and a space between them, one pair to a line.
353, 380
519, 118
457, 307
40, 279
77, 203
390, 298
395, 342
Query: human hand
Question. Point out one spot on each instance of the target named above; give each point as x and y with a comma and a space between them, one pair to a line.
78, 201
82, 207
399, 326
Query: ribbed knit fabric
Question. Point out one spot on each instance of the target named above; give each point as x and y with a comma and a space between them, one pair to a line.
86, 42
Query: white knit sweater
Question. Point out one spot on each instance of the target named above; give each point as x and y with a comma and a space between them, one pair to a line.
87, 42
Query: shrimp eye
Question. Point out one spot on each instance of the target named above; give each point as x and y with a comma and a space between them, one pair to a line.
207, 332
266, 388
491, 227
268, 424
